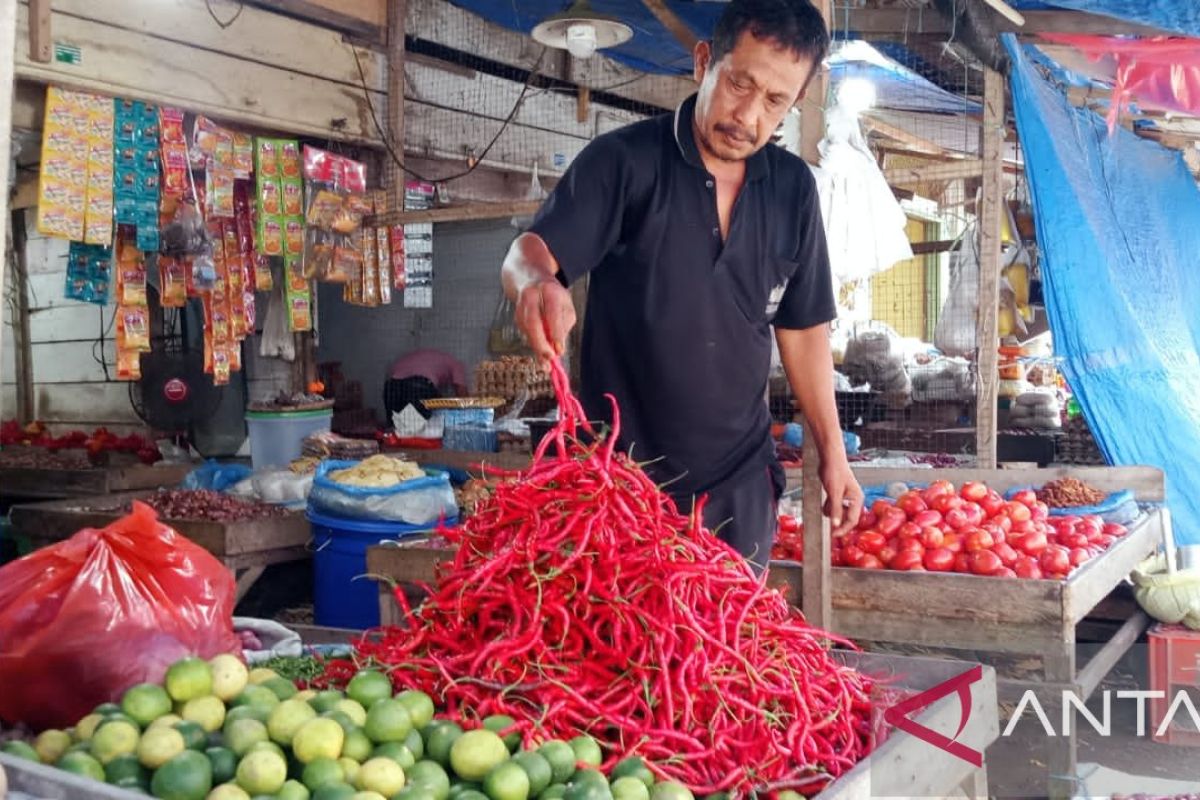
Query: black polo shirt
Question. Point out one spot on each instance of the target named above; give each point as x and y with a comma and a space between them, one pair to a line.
678, 322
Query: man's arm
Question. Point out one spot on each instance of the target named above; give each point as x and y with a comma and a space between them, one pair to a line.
808, 362
544, 311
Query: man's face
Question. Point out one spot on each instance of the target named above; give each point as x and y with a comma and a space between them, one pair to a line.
743, 97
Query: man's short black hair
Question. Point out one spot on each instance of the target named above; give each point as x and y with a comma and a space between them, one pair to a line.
795, 24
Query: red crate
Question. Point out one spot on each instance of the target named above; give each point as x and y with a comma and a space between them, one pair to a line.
1174, 665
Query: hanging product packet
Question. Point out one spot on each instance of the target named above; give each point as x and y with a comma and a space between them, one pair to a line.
89, 272
99, 202
64, 165
384, 255
129, 365
396, 241
172, 282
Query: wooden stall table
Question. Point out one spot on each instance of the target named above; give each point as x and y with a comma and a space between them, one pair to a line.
246, 547
124, 475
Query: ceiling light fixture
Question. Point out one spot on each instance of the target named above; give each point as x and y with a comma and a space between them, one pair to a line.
581, 31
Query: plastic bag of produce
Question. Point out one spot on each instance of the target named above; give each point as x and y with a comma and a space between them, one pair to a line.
1171, 598
216, 476
86, 618
416, 501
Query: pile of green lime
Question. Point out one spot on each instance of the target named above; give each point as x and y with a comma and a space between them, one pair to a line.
214, 730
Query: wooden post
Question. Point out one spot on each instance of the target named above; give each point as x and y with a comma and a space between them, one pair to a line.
24, 350
987, 330
8, 45
817, 571
394, 174
39, 31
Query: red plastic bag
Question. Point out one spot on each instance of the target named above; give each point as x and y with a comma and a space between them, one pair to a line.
83, 620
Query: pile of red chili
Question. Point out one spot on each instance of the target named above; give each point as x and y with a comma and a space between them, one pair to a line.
582, 601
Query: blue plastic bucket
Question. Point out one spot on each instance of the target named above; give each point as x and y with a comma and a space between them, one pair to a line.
342, 597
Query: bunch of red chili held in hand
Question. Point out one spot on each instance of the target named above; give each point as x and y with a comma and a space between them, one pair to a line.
582, 602
972, 530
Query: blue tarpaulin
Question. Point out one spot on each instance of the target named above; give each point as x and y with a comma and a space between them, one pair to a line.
1180, 16
1118, 224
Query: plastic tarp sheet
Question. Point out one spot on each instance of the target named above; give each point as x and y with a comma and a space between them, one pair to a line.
1118, 221
896, 86
1180, 16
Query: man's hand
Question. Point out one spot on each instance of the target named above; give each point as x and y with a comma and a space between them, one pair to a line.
844, 497
545, 314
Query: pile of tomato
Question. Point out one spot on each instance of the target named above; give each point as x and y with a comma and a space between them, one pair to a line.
789, 540
972, 530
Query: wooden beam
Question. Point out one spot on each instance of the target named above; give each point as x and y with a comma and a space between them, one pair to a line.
899, 21
929, 248
582, 99
671, 21
516, 208
394, 179
990, 226
8, 49
970, 168
363, 18
39, 31
21, 326
912, 142
815, 600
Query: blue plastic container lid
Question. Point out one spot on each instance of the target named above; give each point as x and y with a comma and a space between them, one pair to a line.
368, 526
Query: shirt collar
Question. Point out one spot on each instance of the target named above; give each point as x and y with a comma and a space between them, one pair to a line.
685, 137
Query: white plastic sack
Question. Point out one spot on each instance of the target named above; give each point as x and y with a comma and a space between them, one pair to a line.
955, 331
275, 638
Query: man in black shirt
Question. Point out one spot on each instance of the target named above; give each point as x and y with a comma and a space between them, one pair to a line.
700, 236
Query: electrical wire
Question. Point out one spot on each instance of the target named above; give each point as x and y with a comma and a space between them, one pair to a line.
387, 140
98, 345
223, 25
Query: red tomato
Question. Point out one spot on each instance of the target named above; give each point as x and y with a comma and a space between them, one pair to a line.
956, 518
937, 489
939, 559
1021, 527
835, 559
953, 542
992, 503
998, 535
1041, 510
788, 524
1073, 540
1008, 555
928, 517
886, 555
1013, 540
1113, 529
893, 542
985, 562
872, 542
1078, 555
867, 520
1026, 497
907, 560
973, 491
911, 546
946, 502
978, 539
1105, 541
1019, 512
1055, 560
909, 530
1004, 572
911, 503
871, 562
881, 506
932, 537
975, 515
890, 522
962, 563
1027, 567
853, 555
1034, 543
1005, 522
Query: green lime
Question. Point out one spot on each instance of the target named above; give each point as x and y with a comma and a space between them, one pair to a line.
419, 705
587, 751
369, 687
282, 687
159, 745
786, 794
470, 794
292, 790
51, 744
140, 785
318, 738
326, 700
367, 796
354, 710
411, 792
357, 746
587, 790
287, 718
78, 747
670, 790
228, 791
553, 792
256, 695
261, 674
388, 721
124, 767
242, 734
396, 752
259, 713
497, 723
229, 676
269, 747
187, 776
343, 719
78, 763
262, 772
188, 678
208, 712
165, 721
460, 787
380, 775
114, 739
415, 744
476, 753
333, 791
634, 767
630, 787
440, 741
537, 768
430, 776
194, 736
145, 703
86, 727
321, 771
224, 764
507, 781
589, 775
350, 769
561, 757
104, 709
